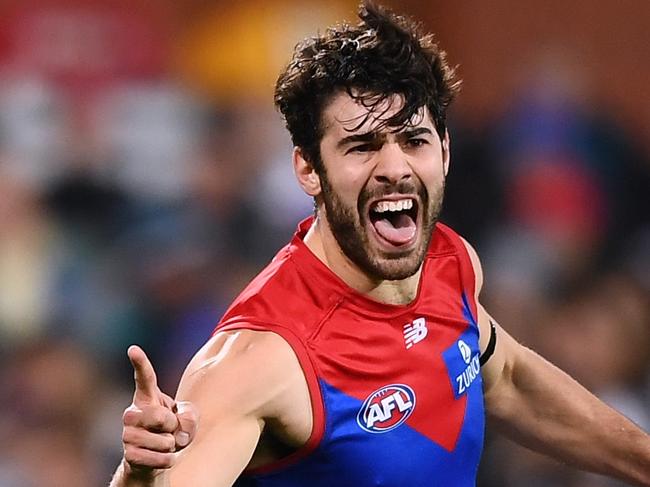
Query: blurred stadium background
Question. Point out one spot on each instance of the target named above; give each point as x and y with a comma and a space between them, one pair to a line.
145, 177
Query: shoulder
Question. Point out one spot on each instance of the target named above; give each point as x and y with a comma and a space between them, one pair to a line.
476, 264
243, 368
466, 252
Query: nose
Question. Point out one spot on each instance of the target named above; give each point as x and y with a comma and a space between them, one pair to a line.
393, 166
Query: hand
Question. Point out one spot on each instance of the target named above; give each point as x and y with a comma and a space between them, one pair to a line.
155, 426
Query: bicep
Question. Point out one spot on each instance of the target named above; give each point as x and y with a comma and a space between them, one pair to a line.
509, 375
497, 372
230, 389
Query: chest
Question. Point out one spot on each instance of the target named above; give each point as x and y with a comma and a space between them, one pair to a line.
415, 368
402, 394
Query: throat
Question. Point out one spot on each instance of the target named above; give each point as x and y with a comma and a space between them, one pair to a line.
398, 293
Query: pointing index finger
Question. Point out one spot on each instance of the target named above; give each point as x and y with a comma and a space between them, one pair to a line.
146, 387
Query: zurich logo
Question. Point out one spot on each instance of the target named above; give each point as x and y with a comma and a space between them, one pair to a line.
386, 408
465, 351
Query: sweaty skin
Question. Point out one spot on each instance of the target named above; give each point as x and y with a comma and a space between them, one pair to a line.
250, 395
414, 157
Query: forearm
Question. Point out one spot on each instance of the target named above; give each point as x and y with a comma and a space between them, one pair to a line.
125, 477
543, 408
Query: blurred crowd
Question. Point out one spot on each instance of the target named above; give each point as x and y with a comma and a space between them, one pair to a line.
141, 188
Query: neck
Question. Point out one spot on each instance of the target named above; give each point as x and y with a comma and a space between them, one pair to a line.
323, 244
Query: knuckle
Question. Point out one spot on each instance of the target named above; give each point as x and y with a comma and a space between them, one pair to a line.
157, 418
168, 401
131, 455
138, 457
129, 435
131, 415
166, 460
169, 442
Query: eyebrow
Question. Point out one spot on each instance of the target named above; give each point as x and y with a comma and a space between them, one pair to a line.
373, 136
407, 134
365, 137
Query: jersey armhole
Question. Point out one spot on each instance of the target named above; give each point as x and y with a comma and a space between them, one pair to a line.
467, 273
315, 395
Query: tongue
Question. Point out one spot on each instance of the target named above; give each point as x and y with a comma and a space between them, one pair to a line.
398, 230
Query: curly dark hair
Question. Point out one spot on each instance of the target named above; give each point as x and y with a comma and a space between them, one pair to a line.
382, 56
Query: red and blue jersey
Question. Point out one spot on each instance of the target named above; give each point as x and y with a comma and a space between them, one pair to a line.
396, 390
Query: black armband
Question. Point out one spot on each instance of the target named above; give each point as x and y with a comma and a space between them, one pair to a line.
489, 350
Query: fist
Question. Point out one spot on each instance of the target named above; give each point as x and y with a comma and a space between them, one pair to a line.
154, 427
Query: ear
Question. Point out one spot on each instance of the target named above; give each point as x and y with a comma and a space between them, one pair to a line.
445, 153
305, 173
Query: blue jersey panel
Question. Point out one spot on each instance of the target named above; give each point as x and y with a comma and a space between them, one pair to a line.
351, 457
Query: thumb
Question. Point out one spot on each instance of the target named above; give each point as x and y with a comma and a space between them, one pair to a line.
146, 385
188, 420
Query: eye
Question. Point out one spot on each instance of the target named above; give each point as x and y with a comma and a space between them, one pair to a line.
416, 142
360, 148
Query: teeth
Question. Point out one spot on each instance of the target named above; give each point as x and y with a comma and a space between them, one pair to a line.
383, 206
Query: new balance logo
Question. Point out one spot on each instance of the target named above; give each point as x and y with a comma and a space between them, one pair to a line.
415, 332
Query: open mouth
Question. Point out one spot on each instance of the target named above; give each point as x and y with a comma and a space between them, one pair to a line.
394, 221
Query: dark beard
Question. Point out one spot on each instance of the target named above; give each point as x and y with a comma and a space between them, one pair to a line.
351, 236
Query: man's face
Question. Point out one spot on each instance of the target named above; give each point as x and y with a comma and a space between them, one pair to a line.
381, 190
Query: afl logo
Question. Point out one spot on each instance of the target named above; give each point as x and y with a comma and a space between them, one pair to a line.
386, 408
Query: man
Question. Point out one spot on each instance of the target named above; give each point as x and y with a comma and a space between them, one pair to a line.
360, 355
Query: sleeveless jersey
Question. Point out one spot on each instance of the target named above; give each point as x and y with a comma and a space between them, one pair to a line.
396, 391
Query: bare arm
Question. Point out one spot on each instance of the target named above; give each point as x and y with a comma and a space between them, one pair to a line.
235, 381
541, 407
